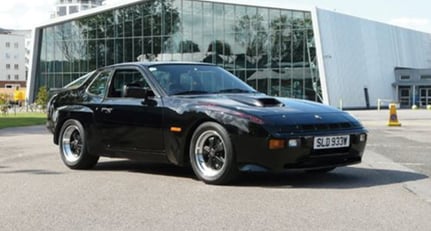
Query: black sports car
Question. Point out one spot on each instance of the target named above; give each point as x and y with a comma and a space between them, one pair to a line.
197, 114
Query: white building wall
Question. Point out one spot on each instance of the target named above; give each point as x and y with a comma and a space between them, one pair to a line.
12, 58
359, 53
66, 7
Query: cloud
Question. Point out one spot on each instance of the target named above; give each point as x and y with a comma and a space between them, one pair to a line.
24, 14
420, 24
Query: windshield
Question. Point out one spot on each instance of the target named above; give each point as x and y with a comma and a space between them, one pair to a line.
183, 79
79, 81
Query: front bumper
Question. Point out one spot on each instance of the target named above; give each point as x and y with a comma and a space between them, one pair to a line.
254, 151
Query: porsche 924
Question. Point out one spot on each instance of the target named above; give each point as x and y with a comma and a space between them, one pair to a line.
198, 115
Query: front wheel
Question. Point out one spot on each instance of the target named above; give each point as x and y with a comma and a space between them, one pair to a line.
211, 154
73, 146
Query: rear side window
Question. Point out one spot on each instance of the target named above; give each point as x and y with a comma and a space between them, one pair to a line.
100, 83
78, 82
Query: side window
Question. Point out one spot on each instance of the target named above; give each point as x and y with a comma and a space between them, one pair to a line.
99, 85
127, 83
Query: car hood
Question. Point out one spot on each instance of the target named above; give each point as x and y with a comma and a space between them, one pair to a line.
282, 111
263, 105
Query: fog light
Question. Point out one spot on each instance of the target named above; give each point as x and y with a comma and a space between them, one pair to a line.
293, 143
362, 137
276, 144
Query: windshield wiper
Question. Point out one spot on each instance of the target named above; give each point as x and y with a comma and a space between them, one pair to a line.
235, 90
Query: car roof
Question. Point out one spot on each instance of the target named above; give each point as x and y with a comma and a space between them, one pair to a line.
147, 64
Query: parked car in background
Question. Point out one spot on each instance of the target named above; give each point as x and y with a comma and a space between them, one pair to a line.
199, 115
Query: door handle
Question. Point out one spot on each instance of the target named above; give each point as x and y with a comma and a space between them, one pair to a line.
106, 110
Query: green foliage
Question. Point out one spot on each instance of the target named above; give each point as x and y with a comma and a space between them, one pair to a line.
3, 103
220, 47
42, 97
3, 99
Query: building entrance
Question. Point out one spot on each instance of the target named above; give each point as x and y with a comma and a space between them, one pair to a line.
405, 96
425, 96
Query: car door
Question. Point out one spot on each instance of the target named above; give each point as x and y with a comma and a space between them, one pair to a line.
130, 122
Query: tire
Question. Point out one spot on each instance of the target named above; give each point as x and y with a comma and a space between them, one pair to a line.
211, 154
73, 146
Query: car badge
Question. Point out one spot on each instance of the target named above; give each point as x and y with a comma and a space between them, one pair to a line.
318, 117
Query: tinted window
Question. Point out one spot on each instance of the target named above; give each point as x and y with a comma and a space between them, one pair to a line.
98, 86
126, 78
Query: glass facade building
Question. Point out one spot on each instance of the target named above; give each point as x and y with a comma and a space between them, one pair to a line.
269, 48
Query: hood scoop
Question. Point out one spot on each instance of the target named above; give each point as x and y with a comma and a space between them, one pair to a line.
257, 101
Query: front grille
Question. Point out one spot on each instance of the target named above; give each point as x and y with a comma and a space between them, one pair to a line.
324, 162
331, 151
316, 127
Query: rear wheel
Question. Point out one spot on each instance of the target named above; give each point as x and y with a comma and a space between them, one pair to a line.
211, 154
73, 146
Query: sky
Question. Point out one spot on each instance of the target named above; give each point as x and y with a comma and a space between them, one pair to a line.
413, 14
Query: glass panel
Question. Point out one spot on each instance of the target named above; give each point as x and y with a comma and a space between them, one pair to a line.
271, 49
102, 24
110, 52
129, 55
138, 22
118, 50
197, 40
128, 25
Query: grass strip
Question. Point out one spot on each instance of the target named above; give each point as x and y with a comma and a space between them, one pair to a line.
22, 119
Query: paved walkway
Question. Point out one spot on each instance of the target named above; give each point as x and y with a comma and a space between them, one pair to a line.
405, 116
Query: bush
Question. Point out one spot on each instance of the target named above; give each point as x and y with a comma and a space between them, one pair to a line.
3, 99
3, 103
42, 97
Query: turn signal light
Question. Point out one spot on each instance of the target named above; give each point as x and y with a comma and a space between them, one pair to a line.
276, 144
176, 129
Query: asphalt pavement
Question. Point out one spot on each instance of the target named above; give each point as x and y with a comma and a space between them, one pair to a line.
389, 190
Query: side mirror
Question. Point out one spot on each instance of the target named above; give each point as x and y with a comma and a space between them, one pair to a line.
140, 93
133, 92
149, 97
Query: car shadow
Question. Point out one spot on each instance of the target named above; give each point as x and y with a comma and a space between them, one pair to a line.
340, 178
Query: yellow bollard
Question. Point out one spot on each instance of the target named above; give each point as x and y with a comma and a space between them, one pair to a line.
393, 118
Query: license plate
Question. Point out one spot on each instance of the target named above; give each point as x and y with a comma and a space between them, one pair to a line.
326, 142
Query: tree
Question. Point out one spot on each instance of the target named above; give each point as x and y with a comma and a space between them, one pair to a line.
220, 48
42, 97
188, 46
251, 34
110, 35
